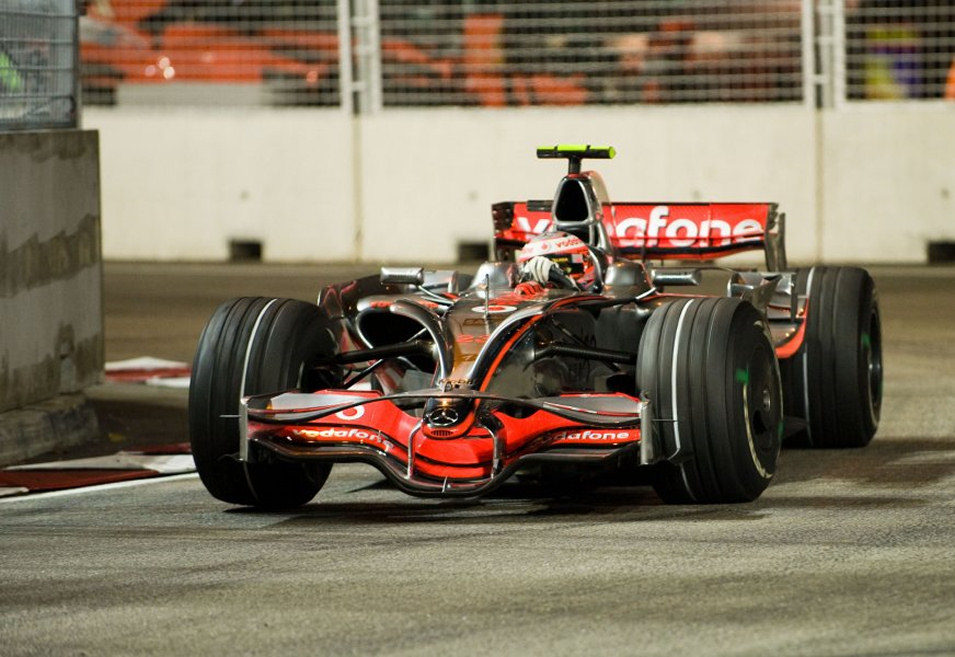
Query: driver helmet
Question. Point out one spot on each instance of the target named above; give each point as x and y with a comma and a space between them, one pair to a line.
567, 251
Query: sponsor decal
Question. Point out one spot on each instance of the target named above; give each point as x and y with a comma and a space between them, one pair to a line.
466, 338
552, 245
668, 226
494, 308
508, 298
382, 304
683, 232
342, 433
443, 417
540, 226
597, 435
350, 414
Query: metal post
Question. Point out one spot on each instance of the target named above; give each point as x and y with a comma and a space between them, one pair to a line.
345, 74
831, 40
824, 45
348, 86
368, 56
410, 472
838, 53
373, 39
808, 33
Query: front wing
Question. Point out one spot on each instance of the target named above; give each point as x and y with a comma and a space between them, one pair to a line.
385, 431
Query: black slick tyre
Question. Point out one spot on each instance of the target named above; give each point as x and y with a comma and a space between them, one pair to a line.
834, 381
710, 372
252, 345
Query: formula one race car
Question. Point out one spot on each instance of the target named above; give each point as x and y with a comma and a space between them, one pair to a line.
576, 356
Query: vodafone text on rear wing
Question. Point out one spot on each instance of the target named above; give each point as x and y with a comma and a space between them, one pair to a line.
660, 231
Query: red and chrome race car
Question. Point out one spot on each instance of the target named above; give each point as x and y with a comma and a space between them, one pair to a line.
450, 383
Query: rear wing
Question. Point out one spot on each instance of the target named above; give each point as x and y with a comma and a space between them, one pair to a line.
660, 231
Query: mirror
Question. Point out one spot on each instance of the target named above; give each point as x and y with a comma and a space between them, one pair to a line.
402, 275
665, 277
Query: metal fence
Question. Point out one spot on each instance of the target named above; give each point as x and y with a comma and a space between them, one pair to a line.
591, 52
278, 52
412, 53
900, 49
38, 64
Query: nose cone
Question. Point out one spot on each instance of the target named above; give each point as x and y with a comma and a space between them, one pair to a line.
447, 417
446, 412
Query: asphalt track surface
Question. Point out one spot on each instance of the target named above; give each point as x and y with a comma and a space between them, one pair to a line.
847, 553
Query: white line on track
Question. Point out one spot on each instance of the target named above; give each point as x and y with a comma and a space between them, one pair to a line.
99, 487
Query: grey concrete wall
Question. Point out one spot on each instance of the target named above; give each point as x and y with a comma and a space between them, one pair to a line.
51, 318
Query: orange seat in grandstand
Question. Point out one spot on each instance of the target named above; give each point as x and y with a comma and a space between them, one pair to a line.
126, 11
484, 59
950, 83
194, 34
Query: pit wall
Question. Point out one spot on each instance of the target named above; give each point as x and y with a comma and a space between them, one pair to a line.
51, 319
859, 184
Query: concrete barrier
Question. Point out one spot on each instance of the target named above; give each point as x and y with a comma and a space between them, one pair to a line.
318, 185
51, 319
889, 181
181, 183
451, 164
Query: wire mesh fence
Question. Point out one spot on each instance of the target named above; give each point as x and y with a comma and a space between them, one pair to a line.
496, 54
37, 64
900, 49
464, 52
591, 52
278, 52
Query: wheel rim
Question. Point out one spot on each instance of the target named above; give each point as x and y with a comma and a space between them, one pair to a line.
871, 344
762, 401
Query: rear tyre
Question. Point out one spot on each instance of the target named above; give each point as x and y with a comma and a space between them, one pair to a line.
710, 372
834, 381
251, 346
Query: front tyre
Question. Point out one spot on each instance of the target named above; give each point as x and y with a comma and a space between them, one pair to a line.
709, 370
252, 345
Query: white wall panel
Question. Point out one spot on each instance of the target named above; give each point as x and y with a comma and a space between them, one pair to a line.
889, 175
180, 183
431, 175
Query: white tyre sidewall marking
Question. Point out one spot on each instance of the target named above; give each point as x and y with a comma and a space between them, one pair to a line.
673, 393
805, 359
245, 370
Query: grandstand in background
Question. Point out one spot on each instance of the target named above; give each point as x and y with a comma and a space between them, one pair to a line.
498, 54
